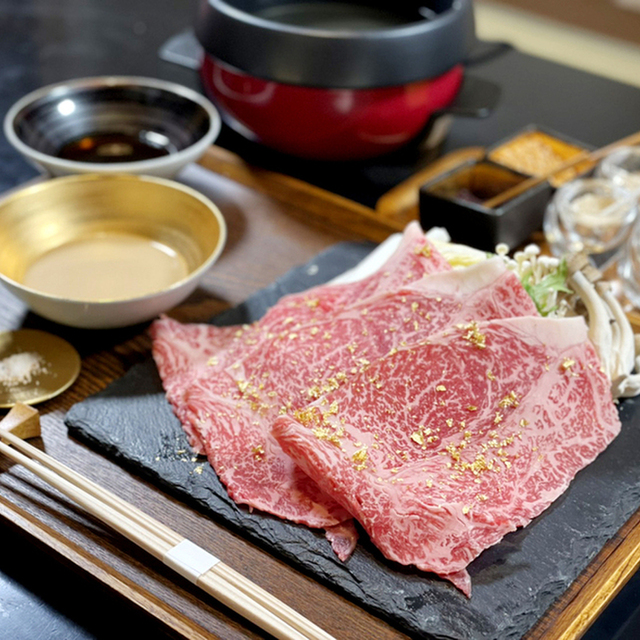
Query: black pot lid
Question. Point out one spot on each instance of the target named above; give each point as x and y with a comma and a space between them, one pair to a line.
406, 42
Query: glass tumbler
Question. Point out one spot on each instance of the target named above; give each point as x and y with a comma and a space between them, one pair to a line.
592, 215
629, 268
622, 167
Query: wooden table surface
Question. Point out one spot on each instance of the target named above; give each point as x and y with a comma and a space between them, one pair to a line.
267, 236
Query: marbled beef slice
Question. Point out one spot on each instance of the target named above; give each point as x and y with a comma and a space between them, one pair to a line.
442, 447
233, 433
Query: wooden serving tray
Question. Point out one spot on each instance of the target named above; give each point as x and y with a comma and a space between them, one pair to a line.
393, 210
275, 222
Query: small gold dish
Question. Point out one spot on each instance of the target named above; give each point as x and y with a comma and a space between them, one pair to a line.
35, 366
96, 251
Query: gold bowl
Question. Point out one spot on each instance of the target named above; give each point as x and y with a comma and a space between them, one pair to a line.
104, 251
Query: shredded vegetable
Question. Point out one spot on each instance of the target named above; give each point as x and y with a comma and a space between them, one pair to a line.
544, 292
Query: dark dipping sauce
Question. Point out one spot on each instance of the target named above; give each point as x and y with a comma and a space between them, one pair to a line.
475, 182
110, 147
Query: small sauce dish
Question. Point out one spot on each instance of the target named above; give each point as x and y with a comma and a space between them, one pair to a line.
112, 124
457, 200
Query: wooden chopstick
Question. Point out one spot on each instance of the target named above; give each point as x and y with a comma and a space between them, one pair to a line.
220, 581
584, 156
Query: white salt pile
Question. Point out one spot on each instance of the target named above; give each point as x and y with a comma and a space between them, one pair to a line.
20, 368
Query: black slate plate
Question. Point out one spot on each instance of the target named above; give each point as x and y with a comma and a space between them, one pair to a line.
514, 582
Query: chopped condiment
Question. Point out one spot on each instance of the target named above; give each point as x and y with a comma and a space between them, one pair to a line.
536, 153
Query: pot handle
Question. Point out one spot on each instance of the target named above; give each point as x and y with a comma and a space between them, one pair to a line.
477, 98
487, 51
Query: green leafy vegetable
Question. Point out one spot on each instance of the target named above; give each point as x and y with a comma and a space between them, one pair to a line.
544, 293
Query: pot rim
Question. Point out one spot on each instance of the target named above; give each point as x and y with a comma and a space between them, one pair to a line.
347, 59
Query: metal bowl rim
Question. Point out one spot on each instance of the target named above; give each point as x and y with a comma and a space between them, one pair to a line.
61, 88
190, 277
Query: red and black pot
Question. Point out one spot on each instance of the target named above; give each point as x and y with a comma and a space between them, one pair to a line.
333, 80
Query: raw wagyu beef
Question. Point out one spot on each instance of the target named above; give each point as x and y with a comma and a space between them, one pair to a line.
232, 409
414, 258
443, 446
182, 351
436, 422
179, 351
192, 361
302, 362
